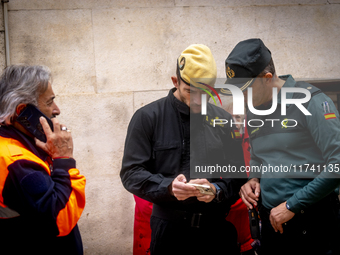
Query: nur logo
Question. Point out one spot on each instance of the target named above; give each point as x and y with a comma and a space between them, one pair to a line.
204, 98
238, 100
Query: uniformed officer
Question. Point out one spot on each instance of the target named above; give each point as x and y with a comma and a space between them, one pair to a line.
298, 154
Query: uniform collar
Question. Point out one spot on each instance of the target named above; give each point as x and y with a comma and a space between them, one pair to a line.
289, 82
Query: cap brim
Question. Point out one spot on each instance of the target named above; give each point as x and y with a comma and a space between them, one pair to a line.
241, 86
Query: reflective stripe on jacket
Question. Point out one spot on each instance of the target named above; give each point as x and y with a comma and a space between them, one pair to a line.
46, 198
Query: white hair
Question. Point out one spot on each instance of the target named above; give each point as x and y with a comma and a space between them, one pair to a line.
21, 84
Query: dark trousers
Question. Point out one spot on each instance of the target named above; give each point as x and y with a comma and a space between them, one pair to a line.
311, 231
178, 237
20, 235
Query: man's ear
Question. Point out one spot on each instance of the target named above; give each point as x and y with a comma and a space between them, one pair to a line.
175, 81
20, 108
268, 77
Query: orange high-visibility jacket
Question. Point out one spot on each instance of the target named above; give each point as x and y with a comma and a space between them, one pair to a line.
40, 202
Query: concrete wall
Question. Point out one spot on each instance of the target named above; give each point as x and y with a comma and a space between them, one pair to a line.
109, 58
2, 40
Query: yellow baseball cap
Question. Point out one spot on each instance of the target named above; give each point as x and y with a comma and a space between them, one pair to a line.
197, 65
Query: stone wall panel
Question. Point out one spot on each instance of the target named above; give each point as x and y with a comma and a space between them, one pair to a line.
86, 4
62, 40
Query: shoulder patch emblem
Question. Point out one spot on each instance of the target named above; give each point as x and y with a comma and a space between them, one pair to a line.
329, 116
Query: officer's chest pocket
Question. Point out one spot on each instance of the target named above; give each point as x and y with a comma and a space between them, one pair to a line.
166, 158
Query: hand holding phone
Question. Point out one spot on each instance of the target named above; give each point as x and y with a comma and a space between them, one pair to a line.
29, 120
203, 189
59, 143
180, 189
48, 133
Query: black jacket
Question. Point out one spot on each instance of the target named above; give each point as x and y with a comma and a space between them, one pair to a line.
156, 148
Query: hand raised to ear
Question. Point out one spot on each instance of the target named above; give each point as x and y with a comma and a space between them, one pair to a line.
59, 143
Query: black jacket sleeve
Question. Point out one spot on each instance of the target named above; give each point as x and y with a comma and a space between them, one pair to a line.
136, 173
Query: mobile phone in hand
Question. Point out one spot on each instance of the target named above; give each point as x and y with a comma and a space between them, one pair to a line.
203, 189
29, 119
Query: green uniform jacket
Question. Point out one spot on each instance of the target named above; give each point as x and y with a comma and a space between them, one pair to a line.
299, 157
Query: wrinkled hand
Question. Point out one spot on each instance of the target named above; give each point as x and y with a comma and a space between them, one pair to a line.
180, 190
250, 192
279, 215
59, 143
203, 197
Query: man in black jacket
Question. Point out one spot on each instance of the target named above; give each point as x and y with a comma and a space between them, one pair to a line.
167, 141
